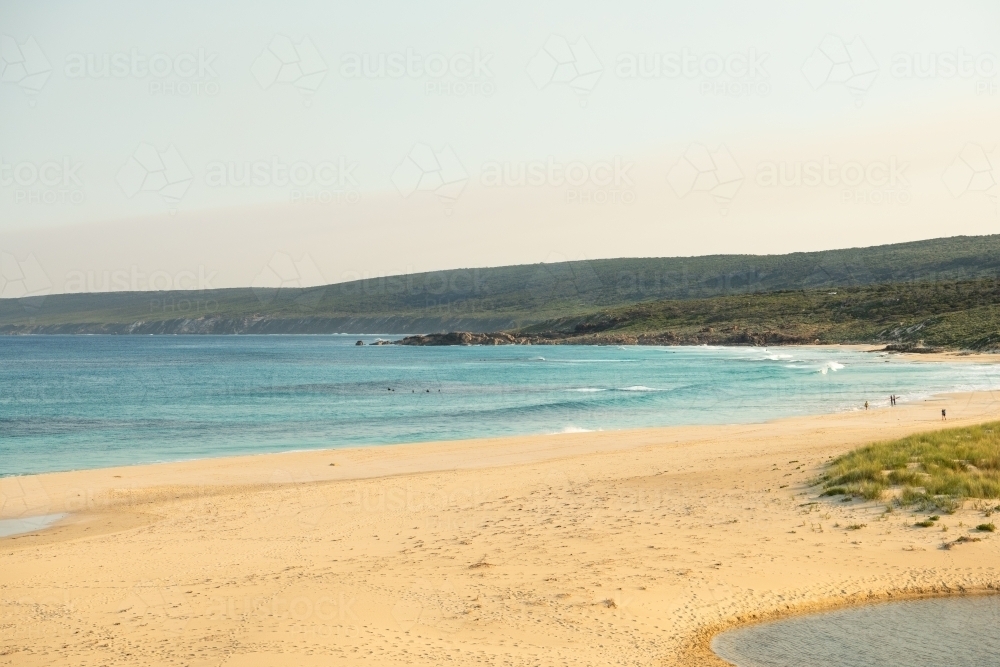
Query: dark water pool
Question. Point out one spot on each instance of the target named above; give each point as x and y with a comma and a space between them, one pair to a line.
941, 632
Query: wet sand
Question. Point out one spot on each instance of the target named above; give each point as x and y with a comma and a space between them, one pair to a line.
628, 547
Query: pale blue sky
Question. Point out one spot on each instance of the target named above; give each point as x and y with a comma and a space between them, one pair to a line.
517, 110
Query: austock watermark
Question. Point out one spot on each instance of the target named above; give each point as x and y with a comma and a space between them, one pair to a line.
325, 181
133, 279
577, 65
51, 182
841, 62
562, 62
332, 608
284, 271
461, 282
701, 170
23, 63
598, 182
184, 74
22, 276
26, 617
167, 174
425, 169
849, 62
734, 74
980, 68
342, 612
152, 171
460, 74
287, 62
444, 293
974, 171
464, 291
440, 508
162, 603
25, 496
868, 182
442, 173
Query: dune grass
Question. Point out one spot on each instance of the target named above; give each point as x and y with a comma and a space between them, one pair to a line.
935, 470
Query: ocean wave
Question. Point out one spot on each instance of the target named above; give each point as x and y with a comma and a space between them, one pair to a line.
587, 389
831, 366
639, 387
574, 429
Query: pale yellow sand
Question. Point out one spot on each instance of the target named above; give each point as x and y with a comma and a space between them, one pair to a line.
578, 549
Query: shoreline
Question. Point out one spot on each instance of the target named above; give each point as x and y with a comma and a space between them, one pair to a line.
700, 649
937, 357
540, 548
218, 470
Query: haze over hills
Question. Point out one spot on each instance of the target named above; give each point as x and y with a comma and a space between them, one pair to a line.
500, 298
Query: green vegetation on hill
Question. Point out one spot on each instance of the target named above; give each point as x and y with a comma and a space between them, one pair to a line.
962, 314
492, 299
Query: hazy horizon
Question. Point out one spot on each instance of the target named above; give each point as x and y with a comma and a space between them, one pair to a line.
77, 282
343, 142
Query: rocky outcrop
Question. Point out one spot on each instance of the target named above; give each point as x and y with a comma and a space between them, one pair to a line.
916, 348
467, 338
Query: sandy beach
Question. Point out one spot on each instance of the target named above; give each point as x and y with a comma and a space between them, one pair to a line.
623, 548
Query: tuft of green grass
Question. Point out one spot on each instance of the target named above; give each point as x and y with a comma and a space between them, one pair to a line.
856, 526
929, 471
986, 527
926, 523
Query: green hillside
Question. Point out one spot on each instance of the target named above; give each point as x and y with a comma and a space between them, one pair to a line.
492, 299
953, 314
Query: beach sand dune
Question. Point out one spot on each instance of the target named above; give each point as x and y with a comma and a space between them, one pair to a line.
608, 548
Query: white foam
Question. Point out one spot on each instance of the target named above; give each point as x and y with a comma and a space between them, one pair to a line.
639, 387
831, 366
588, 389
575, 429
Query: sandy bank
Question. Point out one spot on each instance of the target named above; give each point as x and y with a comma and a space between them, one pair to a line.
582, 549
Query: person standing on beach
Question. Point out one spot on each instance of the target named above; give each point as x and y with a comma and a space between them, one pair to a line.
866, 405
944, 415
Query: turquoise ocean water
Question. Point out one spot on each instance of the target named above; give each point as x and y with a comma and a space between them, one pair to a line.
71, 402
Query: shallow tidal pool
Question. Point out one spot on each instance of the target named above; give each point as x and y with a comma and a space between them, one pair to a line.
939, 632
